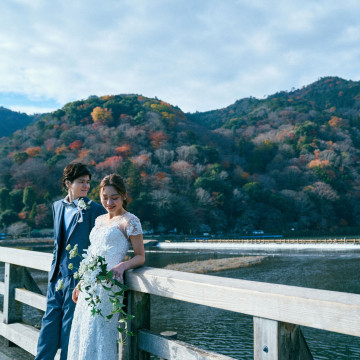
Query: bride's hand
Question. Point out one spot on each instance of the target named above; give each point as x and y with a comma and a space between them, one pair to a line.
75, 294
118, 271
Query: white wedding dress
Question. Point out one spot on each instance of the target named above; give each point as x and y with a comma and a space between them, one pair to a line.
93, 337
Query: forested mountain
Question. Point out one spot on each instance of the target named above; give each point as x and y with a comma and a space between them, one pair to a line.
288, 161
11, 121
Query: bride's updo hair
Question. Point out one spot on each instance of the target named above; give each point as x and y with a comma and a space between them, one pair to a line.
118, 183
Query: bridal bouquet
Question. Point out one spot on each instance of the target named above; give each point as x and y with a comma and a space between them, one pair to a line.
93, 275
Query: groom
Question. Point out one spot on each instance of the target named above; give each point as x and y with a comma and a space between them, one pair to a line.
74, 217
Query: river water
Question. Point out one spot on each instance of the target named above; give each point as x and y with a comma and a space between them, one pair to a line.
232, 334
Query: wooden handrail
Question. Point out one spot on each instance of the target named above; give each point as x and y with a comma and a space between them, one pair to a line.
327, 310
31, 259
322, 309
274, 307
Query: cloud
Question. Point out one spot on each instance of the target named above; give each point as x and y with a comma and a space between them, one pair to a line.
31, 110
199, 55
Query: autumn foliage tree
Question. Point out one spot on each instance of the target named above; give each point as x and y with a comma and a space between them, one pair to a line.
335, 121
124, 150
33, 151
112, 163
102, 116
290, 160
76, 145
157, 139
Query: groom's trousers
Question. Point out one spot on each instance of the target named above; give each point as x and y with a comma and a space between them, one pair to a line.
56, 323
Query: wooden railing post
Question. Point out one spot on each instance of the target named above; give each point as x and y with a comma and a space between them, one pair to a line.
171, 335
274, 340
12, 311
138, 304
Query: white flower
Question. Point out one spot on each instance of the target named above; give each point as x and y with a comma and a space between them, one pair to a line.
81, 205
74, 252
59, 285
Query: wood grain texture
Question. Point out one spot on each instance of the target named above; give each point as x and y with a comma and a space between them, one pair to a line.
31, 259
327, 310
22, 335
13, 278
275, 340
266, 345
29, 298
138, 304
174, 349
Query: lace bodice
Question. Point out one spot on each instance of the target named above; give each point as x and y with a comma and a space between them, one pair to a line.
111, 237
93, 337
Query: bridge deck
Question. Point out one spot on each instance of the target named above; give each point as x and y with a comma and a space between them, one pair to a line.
13, 352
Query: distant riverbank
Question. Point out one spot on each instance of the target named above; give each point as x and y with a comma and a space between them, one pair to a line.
215, 265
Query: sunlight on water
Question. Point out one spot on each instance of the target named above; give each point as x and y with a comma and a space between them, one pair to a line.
264, 246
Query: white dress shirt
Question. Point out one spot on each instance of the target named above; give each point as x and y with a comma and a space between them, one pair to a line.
69, 212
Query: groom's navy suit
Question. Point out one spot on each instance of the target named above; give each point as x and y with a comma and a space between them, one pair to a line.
56, 323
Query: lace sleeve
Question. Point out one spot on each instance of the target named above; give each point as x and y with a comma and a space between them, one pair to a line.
133, 227
99, 220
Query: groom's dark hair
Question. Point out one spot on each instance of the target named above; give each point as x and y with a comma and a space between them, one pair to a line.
74, 171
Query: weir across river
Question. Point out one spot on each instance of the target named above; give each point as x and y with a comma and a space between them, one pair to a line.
277, 310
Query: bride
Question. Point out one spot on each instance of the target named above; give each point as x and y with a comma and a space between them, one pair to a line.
94, 337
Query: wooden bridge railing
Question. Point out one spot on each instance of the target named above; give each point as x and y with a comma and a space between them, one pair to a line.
278, 310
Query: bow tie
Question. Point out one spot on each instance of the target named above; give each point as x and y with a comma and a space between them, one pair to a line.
67, 204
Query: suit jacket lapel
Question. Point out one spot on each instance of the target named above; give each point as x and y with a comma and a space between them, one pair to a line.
72, 225
58, 225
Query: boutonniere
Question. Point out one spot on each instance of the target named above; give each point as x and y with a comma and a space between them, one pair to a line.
82, 206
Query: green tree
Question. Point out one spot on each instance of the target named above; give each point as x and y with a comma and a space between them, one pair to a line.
54, 159
47, 197
16, 197
211, 154
244, 147
29, 197
4, 199
144, 209
33, 212
211, 180
124, 168
6, 179
307, 129
254, 190
139, 118
183, 220
8, 217
94, 192
20, 157
262, 155
134, 183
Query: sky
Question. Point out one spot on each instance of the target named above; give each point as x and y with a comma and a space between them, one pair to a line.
197, 54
